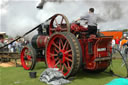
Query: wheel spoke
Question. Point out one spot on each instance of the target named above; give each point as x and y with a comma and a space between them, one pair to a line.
56, 59
68, 59
68, 65
52, 54
67, 47
56, 64
56, 50
65, 44
69, 55
59, 45
62, 20
61, 42
29, 57
55, 45
62, 68
56, 22
68, 51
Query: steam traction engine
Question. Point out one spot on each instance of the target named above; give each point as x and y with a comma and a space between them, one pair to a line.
67, 47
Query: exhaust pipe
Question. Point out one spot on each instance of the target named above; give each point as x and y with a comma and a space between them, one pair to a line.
41, 4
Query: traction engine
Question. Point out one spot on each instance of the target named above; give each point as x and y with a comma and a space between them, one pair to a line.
67, 46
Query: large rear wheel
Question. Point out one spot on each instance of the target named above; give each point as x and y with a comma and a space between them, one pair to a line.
63, 51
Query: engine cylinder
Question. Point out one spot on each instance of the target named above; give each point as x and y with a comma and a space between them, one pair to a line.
39, 41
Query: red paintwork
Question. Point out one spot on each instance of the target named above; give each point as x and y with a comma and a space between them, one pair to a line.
57, 26
78, 28
88, 59
98, 42
59, 50
42, 41
60, 45
24, 62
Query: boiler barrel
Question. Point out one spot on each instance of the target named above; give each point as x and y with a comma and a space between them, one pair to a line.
39, 41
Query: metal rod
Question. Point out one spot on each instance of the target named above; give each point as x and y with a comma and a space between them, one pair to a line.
27, 33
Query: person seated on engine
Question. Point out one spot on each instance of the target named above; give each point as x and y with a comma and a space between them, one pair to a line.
91, 18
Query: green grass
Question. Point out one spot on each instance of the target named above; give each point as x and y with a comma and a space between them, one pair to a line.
19, 76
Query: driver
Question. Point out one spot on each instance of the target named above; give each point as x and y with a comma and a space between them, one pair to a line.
92, 21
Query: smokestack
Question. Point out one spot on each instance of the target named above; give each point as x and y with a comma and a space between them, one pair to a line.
41, 4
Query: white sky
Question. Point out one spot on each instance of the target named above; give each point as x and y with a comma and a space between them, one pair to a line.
19, 16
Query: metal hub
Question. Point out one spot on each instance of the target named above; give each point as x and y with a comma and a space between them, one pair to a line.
60, 55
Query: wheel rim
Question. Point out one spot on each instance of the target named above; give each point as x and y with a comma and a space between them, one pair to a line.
59, 23
59, 54
26, 58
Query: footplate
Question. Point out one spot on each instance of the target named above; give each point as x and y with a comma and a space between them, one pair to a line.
102, 59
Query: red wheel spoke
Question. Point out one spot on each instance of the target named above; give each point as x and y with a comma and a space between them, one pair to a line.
57, 63
67, 47
29, 57
66, 66
62, 20
68, 51
56, 50
56, 59
52, 54
68, 59
56, 22
62, 68
69, 55
55, 45
65, 44
25, 54
59, 45
61, 42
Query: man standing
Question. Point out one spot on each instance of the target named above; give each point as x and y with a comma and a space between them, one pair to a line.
92, 21
117, 42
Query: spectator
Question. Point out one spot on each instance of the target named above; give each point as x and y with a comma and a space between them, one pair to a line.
117, 42
10, 48
113, 45
19, 47
1, 44
122, 42
14, 46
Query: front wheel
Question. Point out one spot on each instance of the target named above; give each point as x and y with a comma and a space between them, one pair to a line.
28, 57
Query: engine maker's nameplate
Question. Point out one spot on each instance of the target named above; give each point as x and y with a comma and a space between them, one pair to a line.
101, 49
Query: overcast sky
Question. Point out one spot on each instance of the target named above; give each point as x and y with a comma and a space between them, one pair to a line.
19, 16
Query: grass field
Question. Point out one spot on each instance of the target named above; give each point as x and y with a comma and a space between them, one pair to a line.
19, 76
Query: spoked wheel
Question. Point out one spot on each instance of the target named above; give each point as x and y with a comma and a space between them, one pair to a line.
59, 23
63, 51
28, 57
119, 63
